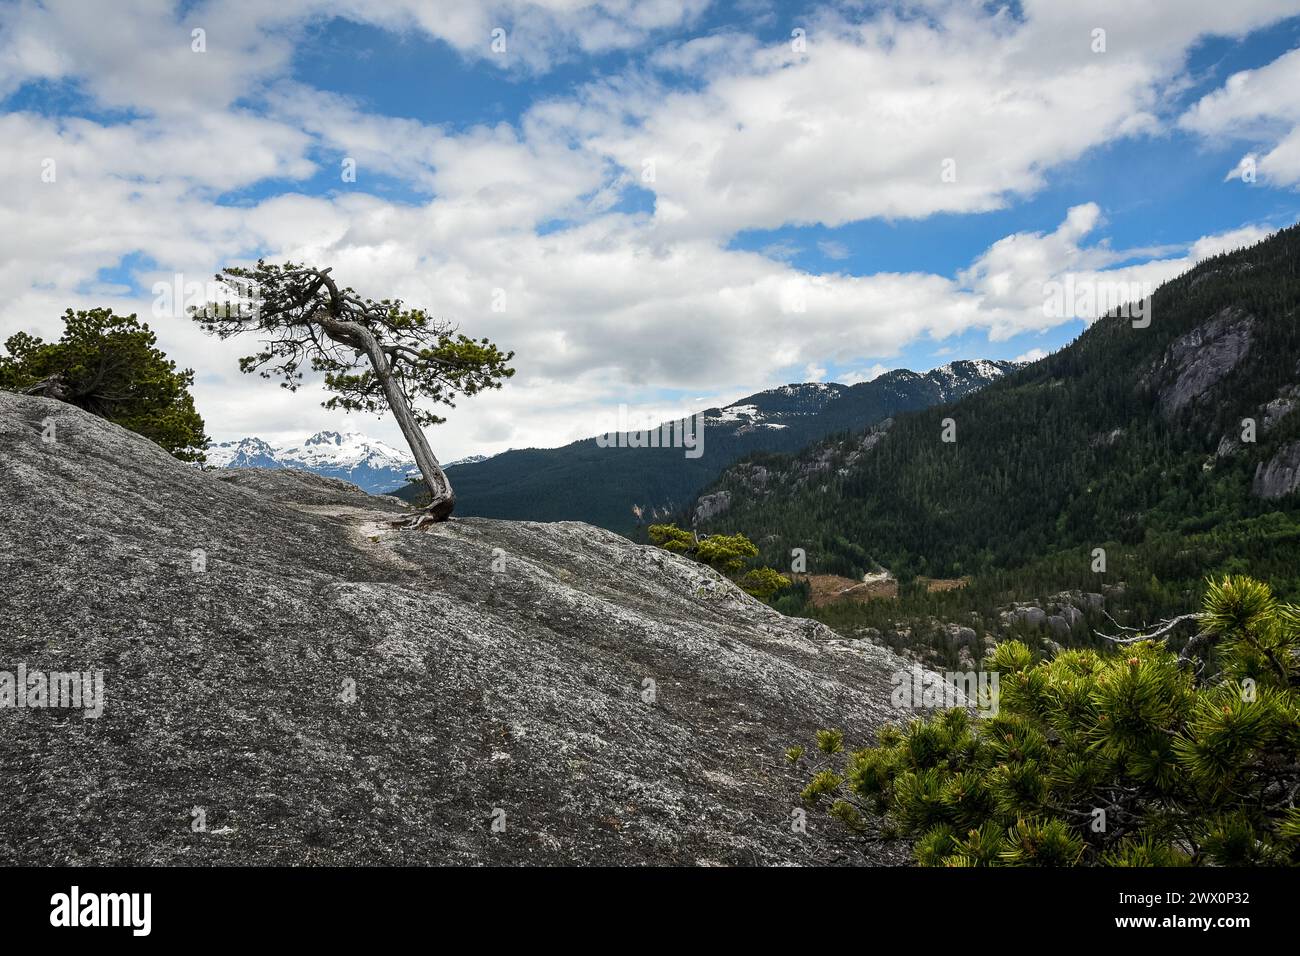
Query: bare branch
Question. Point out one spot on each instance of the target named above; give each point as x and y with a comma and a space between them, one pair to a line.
1162, 630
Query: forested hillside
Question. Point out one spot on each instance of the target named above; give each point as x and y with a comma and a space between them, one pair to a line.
1136, 440
585, 482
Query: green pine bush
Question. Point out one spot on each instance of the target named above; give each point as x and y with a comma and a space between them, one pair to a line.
1137, 756
725, 553
762, 583
110, 365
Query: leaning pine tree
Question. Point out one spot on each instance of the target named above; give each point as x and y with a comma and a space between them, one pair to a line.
375, 355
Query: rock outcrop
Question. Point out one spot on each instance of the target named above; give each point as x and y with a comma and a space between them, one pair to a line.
710, 506
1280, 475
1196, 362
289, 680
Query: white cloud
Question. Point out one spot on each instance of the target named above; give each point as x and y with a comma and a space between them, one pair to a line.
1016, 275
833, 249
864, 122
1208, 246
1260, 106
611, 307
812, 372
142, 56
865, 375
600, 313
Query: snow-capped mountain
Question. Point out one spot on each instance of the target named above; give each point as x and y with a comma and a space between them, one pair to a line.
373, 465
956, 379
775, 408
807, 404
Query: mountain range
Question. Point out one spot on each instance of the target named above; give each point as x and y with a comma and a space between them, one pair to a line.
622, 487
372, 465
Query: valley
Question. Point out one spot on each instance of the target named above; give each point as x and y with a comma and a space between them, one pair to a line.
1136, 460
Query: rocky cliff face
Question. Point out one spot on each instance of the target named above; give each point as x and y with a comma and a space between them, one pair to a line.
289, 680
747, 481
710, 506
1280, 475
1195, 362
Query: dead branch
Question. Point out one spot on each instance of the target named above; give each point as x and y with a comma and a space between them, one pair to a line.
1162, 630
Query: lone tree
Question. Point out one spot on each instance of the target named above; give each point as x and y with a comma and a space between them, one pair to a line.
110, 366
375, 355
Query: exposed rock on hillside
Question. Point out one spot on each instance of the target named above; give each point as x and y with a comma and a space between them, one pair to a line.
1194, 363
711, 505
874, 436
1279, 408
1280, 475
316, 687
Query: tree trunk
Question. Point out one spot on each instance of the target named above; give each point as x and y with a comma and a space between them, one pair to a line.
442, 501
52, 387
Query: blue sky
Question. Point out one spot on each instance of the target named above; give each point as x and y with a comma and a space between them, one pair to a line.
794, 224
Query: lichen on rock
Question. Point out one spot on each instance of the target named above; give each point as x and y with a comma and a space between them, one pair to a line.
318, 690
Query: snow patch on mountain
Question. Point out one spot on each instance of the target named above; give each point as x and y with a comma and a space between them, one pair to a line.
734, 413
954, 378
777, 407
467, 460
804, 388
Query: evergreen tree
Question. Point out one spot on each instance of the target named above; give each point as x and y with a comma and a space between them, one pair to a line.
110, 365
375, 355
725, 553
1136, 756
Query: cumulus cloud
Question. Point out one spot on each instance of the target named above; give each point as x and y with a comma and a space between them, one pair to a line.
1259, 106
813, 372
898, 117
518, 232
1019, 277
144, 56
865, 375
1234, 239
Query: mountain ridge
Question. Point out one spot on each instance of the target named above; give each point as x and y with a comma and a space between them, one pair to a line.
618, 487
1128, 436
373, 465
